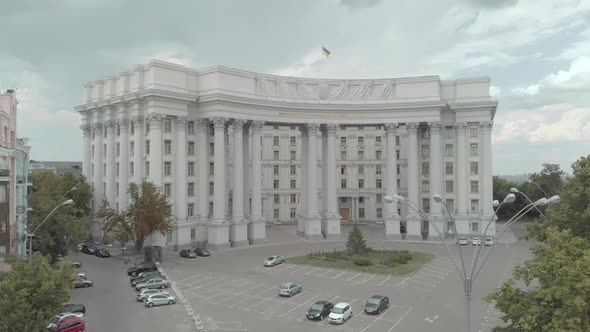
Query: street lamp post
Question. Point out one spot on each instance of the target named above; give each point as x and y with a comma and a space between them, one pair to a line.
467, 275
68, 202
516, 191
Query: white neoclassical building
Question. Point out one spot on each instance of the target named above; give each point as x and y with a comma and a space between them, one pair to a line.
234, 150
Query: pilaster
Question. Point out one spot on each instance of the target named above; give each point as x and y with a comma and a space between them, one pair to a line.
257, 225
331, 222
180, 184
313, 219
390, 215
155, 156
123, 162
413, 223
238, 232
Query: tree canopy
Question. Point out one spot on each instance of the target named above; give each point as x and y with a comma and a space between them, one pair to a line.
31, 293
356, 243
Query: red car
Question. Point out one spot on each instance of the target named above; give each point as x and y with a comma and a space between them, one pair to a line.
71, 324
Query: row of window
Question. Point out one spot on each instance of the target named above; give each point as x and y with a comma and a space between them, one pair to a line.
449, 187
473, 168
449, 151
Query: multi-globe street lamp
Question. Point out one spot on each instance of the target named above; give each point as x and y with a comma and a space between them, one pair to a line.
30, 235
467, 274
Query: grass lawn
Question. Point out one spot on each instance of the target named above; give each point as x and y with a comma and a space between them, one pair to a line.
418, 259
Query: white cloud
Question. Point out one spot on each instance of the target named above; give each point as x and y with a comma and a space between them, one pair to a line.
303, 67
495, 91
577, 77
68, 117
169, 56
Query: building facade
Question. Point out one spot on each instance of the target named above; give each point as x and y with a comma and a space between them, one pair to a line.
14, 162
57, 167
234, 149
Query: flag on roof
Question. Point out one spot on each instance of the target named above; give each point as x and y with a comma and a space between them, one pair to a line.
325, 52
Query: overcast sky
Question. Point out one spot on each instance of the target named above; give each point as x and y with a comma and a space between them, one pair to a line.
537, 54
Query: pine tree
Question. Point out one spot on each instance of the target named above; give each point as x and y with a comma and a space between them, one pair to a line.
356, 244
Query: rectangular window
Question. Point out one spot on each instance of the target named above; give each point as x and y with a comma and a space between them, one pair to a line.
147, 147
193, 234
425, 133
361, 213
361, 183
293, 198
293, 170
211, 169
104, 168
360, 140
451, 205
116, 169
292, 155
378, 169
361, 155
397, 140
342, 155
474, 187
167, 168
425, 169
425, 151
275, 155
448, 132
276, 199
343, 170
397, 169
93, 151
379, 183
275, 184
343, 183
167, 125
378, 155
132, 148
473, 131
474, 167
293, 184
361, 200
293, 141
132, 128
190, 168
361, 169
475, 227
191, 127
293, 214
426, 204
448, 150
131, 169
379, 213
449, 168
191, 148
276, 214
425, 186
147, 168
449, 186
397, 154
118, 149
190, 189
167, 147
117, 189
378, 140
474, 205
275, 169
190, 210
275, 140
343, 200
211, 149
211, 188
379, 198
167, 189
343, 140
473, 150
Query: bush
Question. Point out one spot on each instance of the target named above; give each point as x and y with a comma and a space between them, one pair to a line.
394, 258
356, 244
362, 261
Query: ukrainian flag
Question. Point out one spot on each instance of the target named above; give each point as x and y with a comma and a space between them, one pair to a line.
325, 52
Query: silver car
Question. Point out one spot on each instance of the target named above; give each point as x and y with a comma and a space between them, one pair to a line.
289, 288
274, 260
149, 291
153, 283
159, 299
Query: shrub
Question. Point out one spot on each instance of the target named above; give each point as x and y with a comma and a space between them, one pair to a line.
394, 258
402, 258
356, 244
362, 261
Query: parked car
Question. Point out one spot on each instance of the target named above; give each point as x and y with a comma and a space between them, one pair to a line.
476, 241
340, 313
79, 282
149, 291
87, 249
159, 299
463, 241
488, 242
144, 274
146, 279
376, 304
153, 283
188, 254
274, 260
82, 275
102, 253
74, 308
289, 289
137, 269
71, 324
63, 316
319, 310
202, 252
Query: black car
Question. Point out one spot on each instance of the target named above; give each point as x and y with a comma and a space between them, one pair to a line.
202, 252
102, 253
87, 249
319, 310
135, 270
376, 304
187, 254
74, 308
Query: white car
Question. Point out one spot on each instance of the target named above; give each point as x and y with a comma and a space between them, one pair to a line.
289, 289
476, 241
488, 242
463, 241
158, 299
274, 260
340, 313
149, 291
61, 317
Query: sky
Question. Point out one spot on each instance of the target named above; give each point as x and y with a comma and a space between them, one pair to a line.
537, 54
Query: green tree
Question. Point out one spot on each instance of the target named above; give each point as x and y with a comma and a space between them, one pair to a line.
68, 225
31, 293
356, 244
560, 302
117, 224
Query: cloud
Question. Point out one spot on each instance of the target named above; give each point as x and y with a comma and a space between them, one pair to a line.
303, 67
495, 91
492, 3
68, 118
170, 56
359, 3
576, 77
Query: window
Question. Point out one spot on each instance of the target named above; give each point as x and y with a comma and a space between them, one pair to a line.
190, 189
190, 211
378, 155
147, 168
167, 125
449, 168
342, 155
397, 140
449, 186
116, 169
293, 198
379, 198
425, 133
361, 213
361, 155
293, 183
147, 127
293, 170
425, 169
361, 200
210, 208
131, 170
474, 167
191, 148
93, 151
425, 151
343, 183
275, 140
211, 149
474, 187
448, 150
292, 155
451, 205
191, 168
397, 154
104, 168
293, 213
378, 140
397, 169
360, 140
361, 183
117, 189
473, 150
118, 149
379, 213
448, 132
275, 169
343, 200
275, 127
343, 170
193, 233
275, 184
473, 131
378, 169
132, 148
211, 169
361, 170
167, 147
167, 189
426, 204
474, 205
276, 213
293, 141
343, 140
132, 128
399, 183
191, 127
475, 227
147, 147
167, 168
379, 183
211, 188
276, 199
425, 186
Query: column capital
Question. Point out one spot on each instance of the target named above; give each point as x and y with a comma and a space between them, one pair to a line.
219, 123
391, 128
202, 124
137, 121
486, 126
181, 122
257, 125
239, 124
85, 129
412, 127
460, 125
123, 124
110, 125
434, 127
332, 128
98, 128
155, 120
312, 127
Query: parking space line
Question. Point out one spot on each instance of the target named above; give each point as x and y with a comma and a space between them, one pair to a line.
401, 282
313, 298
199, 280
207, 284
299, 269
339, 275
188, 278
308, 272
433, 272
428, 278
349, 279
373, 276
381, 283
321, 275
404, 316
286, 267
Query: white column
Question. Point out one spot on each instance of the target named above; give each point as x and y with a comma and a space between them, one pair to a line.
486, 187
218, 230
138, 145
436, 178
302, 207
155, 157
413, 219
246, 170
461, 174
202, 185
390, 215
332, 218
124, 164
183, 227
110, 161
87, 147
313, 225
238, 232
98, 164
256, 228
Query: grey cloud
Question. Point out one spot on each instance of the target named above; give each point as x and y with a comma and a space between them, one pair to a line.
359, 3
492, 4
